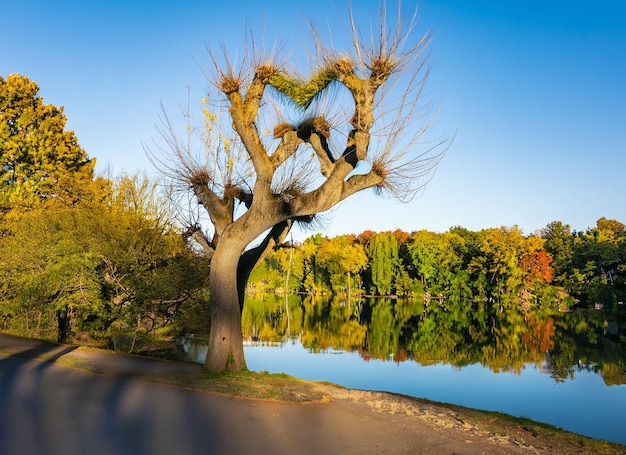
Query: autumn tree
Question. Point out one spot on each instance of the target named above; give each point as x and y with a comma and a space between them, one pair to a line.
279, 147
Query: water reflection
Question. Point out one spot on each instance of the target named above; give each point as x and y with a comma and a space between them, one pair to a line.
432, 331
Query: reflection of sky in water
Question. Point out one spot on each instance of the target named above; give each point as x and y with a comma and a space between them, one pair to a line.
584, 405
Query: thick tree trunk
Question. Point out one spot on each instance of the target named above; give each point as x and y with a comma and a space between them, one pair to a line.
225, 340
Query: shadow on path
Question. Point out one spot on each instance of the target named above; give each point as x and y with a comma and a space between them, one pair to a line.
49, 409
46, 353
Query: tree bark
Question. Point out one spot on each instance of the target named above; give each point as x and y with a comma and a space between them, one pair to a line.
225, 340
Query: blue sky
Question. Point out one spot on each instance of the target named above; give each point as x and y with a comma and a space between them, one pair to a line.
534, 93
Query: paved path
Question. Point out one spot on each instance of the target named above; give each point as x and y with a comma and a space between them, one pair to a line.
50, 409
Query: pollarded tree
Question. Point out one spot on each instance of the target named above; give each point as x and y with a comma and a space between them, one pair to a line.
294, 146
39, 160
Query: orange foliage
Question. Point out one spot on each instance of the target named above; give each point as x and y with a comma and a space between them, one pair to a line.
364, 237
537, 266
401, 236
401, 356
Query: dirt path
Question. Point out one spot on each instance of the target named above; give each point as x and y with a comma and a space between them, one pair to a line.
348, 422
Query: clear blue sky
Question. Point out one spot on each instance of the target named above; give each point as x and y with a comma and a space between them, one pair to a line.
534, 93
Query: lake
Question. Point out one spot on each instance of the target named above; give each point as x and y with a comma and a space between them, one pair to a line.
568, 370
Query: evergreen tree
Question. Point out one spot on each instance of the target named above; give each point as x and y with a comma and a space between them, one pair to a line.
39, 160
383, 253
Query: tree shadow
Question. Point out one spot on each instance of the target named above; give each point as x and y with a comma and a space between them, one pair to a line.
46, 353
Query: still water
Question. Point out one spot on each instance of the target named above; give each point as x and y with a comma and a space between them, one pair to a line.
566, 369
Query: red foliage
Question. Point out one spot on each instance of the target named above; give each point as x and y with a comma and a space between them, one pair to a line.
539, 336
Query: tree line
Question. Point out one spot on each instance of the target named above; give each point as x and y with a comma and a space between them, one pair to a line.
554, 268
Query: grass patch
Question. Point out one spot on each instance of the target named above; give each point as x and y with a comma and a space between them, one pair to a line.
250, 385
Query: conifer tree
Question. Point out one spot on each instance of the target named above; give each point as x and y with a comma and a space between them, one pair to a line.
39, 160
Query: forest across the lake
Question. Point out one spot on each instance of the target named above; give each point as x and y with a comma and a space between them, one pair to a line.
555, 267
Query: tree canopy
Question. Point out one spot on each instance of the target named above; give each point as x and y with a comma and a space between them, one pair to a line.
554, 268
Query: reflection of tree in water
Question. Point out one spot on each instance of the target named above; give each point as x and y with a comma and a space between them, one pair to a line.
580, 344
266, 319
332, 323
445, 331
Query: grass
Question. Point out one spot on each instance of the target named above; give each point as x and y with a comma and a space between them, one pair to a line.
253, 385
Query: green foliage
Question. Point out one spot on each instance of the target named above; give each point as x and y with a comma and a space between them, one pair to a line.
49, 272
48, 267
332, 323
499, 267
590, 264
266, 278
271, 318
559, 242
320, 265
341, 258
481, 297
301, 92
384, 260
384, 330
403, 329
312, 279
108, 267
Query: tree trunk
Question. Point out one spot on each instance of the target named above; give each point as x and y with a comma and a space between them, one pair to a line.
63, 325
225, 339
